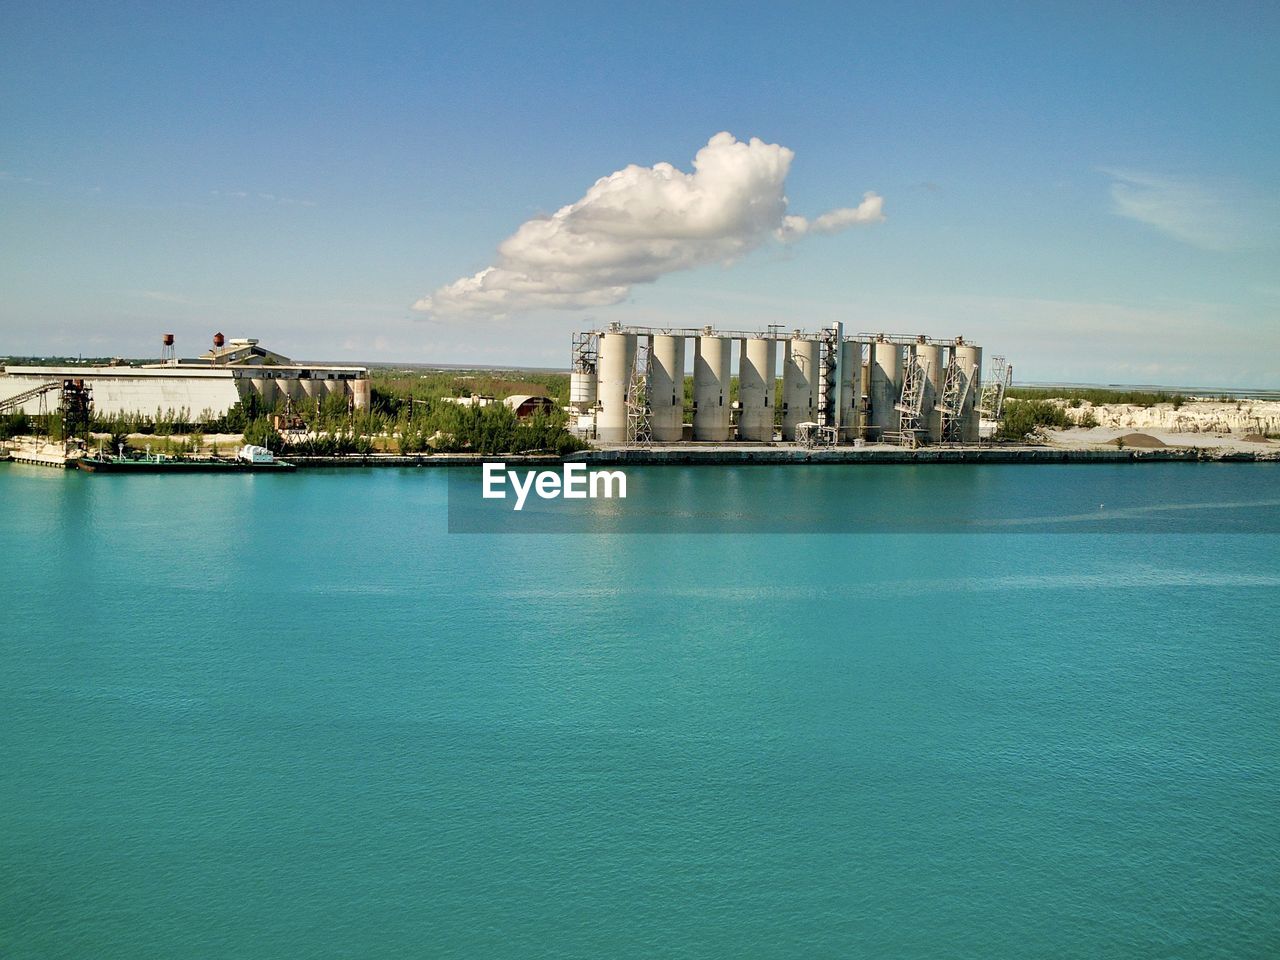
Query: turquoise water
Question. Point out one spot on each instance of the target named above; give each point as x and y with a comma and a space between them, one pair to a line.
290, 716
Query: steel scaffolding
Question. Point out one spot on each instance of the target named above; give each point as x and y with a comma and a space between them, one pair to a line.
991, 406
955, 393
639, 410
914, 377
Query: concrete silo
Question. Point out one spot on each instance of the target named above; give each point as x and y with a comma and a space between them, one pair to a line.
757, 374
712, 368
886, 386
617, 358
970, 359
850, 390
935, 375
799, 384
666, 388
267, 391
582, 390
361, 393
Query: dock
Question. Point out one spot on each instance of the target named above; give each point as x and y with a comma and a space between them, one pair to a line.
40, 455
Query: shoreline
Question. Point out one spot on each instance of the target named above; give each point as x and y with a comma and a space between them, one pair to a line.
686, 455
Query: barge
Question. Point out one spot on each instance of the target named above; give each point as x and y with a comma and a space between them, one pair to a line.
250, 459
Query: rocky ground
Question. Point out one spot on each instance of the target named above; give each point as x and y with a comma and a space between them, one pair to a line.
1223, 418
1242, 425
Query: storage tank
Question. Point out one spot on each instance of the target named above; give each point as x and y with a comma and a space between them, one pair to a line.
757, 374
850, 390
617, 358
970, 360
265, 388
886, 386
360, 393
712, 366
935, 376
582, 390
799, 384
666, 388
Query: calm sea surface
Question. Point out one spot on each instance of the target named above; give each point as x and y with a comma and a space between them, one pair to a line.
291, 716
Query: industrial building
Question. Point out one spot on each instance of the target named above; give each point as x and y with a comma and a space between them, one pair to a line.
627, 386
524, 405
199, 389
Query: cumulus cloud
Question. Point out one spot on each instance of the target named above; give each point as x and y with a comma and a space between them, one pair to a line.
640, 223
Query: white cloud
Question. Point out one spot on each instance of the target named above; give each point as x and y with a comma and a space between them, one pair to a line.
870, 210
640, 223
267, 197
1182, 209
160, 296
9, 177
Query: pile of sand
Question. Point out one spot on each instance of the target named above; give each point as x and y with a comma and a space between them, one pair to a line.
1138, 441
1254, 438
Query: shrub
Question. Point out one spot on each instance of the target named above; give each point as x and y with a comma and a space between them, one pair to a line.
261, 433
1024, 418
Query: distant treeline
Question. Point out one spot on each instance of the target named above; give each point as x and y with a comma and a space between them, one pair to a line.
1096, 395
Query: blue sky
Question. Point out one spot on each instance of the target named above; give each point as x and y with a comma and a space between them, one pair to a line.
1090, 189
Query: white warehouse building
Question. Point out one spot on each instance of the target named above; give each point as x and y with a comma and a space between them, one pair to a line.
199, 389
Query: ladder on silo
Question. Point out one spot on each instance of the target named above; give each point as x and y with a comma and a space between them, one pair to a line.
955, 392
639, 409
914, 377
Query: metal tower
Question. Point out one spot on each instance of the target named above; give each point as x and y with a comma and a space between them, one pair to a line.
828, 378
584, 352
77, 410
955, 392
914, 377
991, 406
639, 410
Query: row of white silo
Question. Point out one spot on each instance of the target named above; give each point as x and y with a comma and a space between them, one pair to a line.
273, 385
605, 389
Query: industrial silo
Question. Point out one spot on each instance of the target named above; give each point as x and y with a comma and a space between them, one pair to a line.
360, 393
582, 390
757, 373
886, 386
617, 358
799, 384
265, 388
935, 375
970, 359
850, 390
666, 388
712, 366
